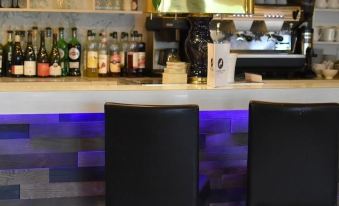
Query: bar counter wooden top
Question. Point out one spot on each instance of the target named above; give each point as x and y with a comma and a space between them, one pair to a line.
88, 95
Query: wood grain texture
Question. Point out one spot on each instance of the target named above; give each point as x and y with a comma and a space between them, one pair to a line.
10, 192
30, 161
29, 118
92, 117
84, 174
76, 201
91, 159
50, 145
24, 176
54, 190
68, 130
14, 131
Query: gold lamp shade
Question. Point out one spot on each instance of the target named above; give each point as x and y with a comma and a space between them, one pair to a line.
200, 6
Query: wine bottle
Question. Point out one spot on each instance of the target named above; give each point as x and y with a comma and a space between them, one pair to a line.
2, 72
92, 55
9, 54
141, 47
18, 57
42, 59
74, 54
132, 56
63, 51
103, 56
123, 54
48, 39
30, 58
115, 60
35, 39
54, 62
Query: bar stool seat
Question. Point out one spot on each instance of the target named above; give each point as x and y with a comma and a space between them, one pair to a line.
151, 155
292, 154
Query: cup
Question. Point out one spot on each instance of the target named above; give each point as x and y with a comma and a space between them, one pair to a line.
316, 33
321, 4
328, 34
333, 4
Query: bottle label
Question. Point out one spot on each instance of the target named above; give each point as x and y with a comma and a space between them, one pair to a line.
55, 70
74, 65
43, 69
122, 59
115, 63
141, 60
103, 59
30, 68
92, 59
74, 53
62, 53
135, 60
18, 69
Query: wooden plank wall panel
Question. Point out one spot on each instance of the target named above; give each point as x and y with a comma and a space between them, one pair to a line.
10, 192
68, 130
28, 176
50, 160
75, 201
91, 159
14, 131
68, 189
50, 145
94, 117
29, 119
84, 174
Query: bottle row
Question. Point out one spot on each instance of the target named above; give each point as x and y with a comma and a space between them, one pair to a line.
104, 56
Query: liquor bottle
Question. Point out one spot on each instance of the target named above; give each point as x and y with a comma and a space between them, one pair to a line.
48, 39
115, 60
35, 39
123, 53
22, 40
91, 55
18, 57
117, 4
74, 54
30, 58
54, 61
9, 54
63, 51
103, 56
132, 56
141, 47
2, 72
42, 58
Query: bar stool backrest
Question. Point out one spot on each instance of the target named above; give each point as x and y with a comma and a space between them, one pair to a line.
151, 155
293, 154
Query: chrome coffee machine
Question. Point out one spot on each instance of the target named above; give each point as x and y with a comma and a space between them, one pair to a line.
275, 41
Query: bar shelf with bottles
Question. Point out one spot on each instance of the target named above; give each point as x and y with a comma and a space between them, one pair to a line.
72, 6
103, 55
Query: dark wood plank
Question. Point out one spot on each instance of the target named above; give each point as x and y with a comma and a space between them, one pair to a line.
75, 201
14, 131
91, 159
29, 118
24, 176
50, 145
68, 189
92, 117
9, 192
68, 130
84, 174
38, 161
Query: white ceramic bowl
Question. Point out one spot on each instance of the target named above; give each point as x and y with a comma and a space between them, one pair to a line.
318, 68
329, 73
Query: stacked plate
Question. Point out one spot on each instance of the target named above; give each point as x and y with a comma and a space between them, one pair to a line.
175, 73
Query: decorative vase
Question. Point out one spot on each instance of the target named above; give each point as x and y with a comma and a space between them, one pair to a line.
196, 48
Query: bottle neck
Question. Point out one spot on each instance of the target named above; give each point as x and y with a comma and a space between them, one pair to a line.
29, 40
10, 37
42, 39
61, 34
74, 34
17, 38
55, 39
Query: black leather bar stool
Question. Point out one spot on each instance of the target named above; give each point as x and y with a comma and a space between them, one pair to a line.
293, 154
151, 155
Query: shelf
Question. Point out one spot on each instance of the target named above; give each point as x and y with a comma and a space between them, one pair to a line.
69, 11
326, 10
326, 43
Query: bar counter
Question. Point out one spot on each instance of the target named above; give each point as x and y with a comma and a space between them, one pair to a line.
85, 95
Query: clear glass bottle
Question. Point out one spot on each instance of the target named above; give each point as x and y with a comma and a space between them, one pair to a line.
48, 39
54, 62
92, 56
141, 47
132, 56
103, 56
115, 59
74, 54
63, 51
30, 58
18, 57
9, 53
124, 45
35, 39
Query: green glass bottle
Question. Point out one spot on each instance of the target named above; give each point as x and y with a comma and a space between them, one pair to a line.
63, 51
74, 54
